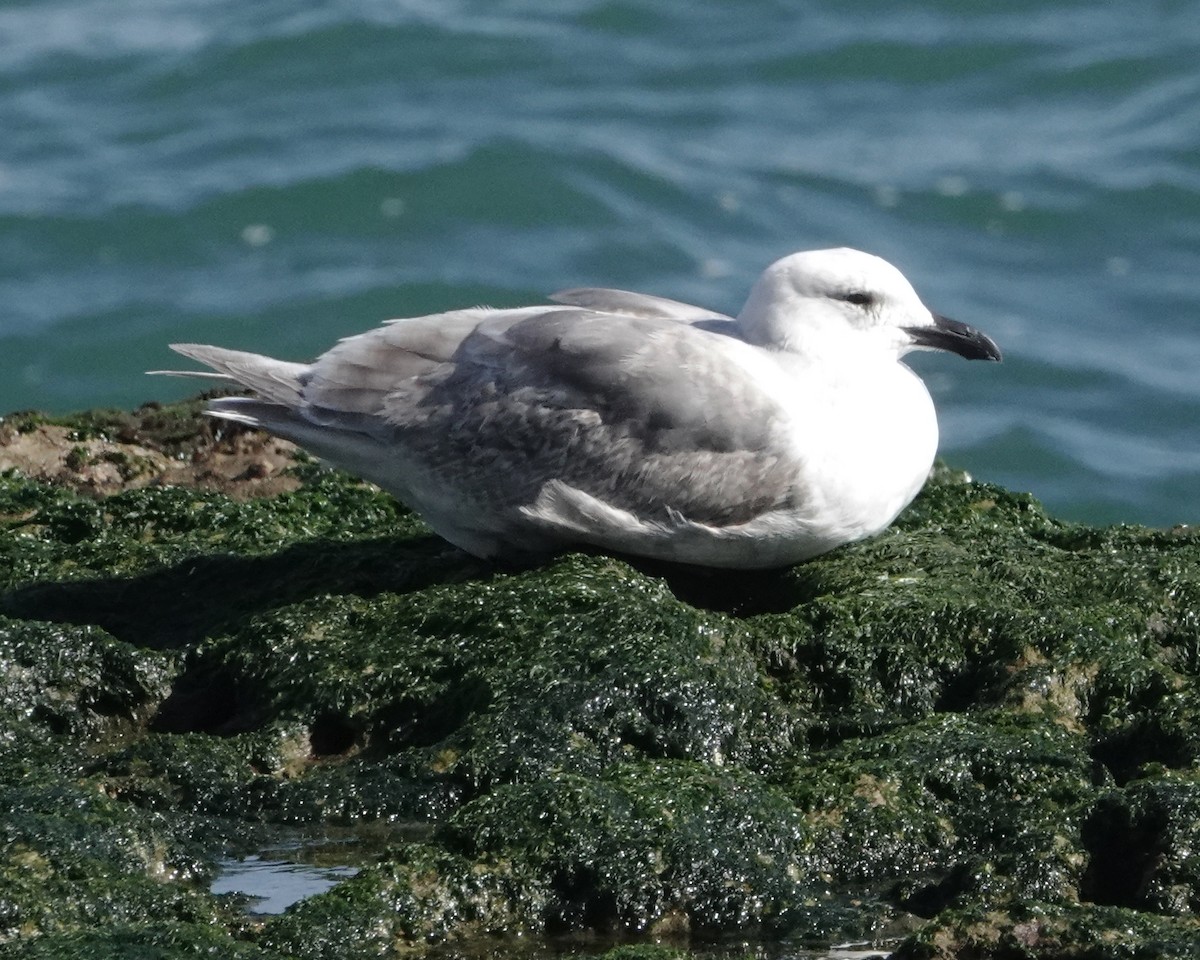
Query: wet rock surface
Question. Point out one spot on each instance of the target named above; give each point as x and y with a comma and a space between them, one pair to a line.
973, 736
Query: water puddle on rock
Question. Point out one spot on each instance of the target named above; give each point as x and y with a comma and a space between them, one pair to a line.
274, 885
287, 868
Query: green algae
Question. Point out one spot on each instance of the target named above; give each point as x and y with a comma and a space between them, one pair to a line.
162, 940
675, 844
75, 859
76, 680
997, 798
453, 671
418, 894
51, 530
1031, 930
976, 733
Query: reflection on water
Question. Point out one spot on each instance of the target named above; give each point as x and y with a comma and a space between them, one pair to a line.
274, 885
276, 867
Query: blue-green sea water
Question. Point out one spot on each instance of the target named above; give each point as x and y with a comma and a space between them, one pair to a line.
273, 175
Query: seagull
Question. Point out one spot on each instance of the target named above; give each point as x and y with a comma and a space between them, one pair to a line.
631, 423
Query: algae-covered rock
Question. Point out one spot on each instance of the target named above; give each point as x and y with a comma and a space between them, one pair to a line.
648, 844
1146, 840
61, 679
998, 797
77, 863
1031, 929
975, 735
416, 895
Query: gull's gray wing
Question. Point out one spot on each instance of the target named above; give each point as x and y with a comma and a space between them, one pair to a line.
533, 428
644, 414
630, 304
356, 375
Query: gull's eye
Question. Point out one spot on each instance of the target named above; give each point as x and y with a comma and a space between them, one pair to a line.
856, 297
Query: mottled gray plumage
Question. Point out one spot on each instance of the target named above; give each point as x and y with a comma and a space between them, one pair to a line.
593, 401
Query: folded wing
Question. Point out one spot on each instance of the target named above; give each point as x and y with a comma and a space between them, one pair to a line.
538, 426
646, 415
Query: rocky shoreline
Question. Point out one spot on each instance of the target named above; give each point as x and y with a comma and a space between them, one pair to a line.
974, 736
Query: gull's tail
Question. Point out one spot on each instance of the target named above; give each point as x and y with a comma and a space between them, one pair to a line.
280, 406
278, 383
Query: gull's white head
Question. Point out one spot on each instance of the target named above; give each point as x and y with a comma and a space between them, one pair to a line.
819, 302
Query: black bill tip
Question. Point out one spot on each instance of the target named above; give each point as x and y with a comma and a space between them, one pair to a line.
947, 334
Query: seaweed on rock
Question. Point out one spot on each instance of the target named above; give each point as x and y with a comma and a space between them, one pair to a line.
975, 735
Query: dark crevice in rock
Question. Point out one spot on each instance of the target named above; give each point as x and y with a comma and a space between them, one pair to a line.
332, 735
207, 699
1124, 852
929, 898
973, 685
582, 902
1124, 752
739, 593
